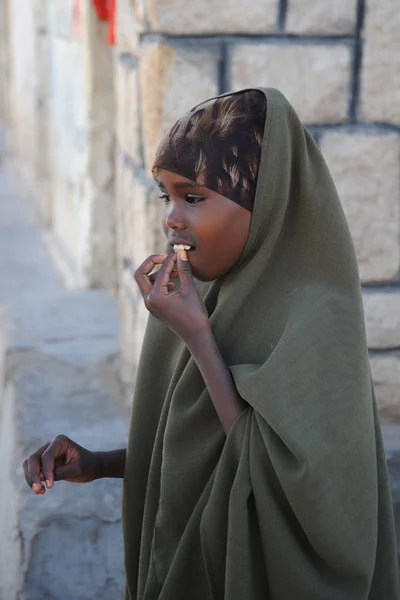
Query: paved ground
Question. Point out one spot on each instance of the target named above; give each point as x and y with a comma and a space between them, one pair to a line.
60, 374
43, 313
391, 434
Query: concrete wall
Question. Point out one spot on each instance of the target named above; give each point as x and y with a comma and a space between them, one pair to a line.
4, 73
338, 63
82, 138
61, 131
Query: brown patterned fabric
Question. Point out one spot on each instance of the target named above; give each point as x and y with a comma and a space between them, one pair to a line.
218, 145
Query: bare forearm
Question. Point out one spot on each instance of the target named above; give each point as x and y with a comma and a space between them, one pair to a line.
110, 464
217, 377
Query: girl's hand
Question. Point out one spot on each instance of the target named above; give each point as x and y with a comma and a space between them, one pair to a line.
182, 311
61, 459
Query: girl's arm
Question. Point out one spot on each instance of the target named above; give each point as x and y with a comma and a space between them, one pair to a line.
217, 377
185, 314
110, 464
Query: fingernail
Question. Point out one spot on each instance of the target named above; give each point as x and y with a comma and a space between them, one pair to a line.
36, 487
48, 484
183, 254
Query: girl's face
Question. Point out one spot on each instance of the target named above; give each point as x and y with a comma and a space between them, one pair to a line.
213, 225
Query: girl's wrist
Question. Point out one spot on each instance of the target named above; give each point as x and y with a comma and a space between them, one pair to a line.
199, 338
110, 464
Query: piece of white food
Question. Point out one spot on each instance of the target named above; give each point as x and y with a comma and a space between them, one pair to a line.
178, 247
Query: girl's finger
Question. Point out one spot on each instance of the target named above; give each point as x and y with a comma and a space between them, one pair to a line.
164, 275
153, 276
184, 271
142, 273
66, 472
33, 468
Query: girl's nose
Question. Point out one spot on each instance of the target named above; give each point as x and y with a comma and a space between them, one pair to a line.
175, 218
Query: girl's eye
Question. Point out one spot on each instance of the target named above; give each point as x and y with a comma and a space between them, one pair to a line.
193, 199
189, 198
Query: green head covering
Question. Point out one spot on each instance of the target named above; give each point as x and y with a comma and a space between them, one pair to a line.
294, 503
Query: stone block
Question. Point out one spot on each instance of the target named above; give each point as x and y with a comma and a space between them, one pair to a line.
386, 377
314, 78
39, 9
23, 85
382, 317
128, 115
318, 17
190, 17
366, 170
130, 23
174, 78
380, 73
63, 13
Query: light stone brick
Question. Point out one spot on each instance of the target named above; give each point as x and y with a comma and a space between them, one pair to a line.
40, 15
386, 378
382, 317
174, 78
366, 171
130, 23
128, 117
183, 17
314, 78
380, 75
63, 13
319, 17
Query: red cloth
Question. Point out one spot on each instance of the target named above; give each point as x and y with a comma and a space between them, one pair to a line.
105, 10
112, 8
101, 8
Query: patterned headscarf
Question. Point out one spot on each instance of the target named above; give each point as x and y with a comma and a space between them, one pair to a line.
217, 144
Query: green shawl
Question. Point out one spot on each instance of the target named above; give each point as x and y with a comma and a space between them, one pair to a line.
294, 503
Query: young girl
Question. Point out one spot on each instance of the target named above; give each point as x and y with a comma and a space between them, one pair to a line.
255, 467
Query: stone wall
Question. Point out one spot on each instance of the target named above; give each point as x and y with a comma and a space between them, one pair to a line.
61, 131
4, 72
338, 63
